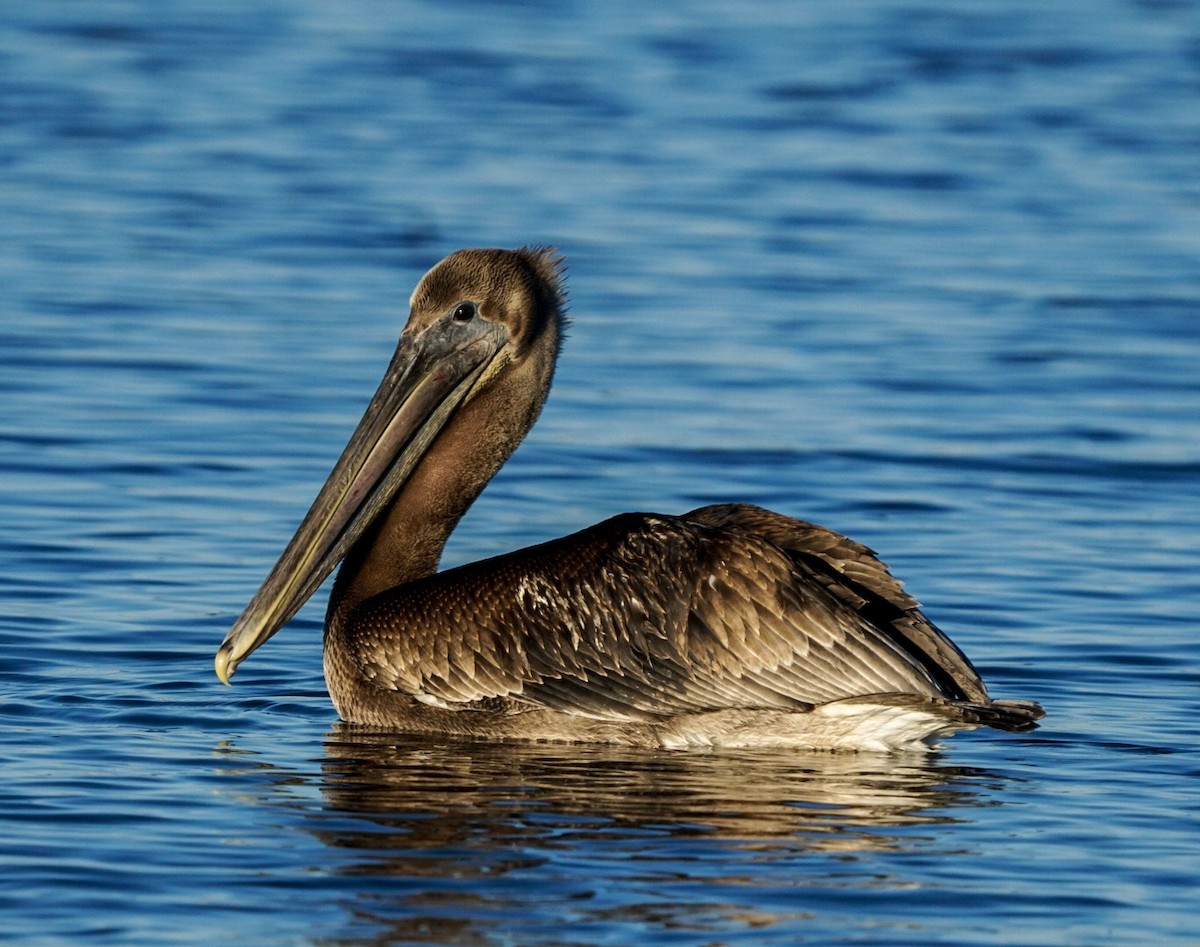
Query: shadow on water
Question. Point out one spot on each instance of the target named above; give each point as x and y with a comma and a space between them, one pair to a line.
814, 801
437, 842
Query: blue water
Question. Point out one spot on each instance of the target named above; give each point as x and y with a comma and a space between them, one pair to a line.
928, 273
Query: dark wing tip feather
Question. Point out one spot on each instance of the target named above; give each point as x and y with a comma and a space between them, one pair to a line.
1017, 715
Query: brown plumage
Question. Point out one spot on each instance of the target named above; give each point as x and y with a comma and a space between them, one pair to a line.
728, 625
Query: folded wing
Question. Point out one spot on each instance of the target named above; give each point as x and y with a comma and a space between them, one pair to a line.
644, 617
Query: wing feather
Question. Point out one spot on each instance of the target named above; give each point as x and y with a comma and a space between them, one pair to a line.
644, 617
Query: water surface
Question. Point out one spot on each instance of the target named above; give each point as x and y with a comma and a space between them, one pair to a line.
925, 273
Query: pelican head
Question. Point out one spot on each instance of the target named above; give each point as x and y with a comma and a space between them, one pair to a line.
483, 333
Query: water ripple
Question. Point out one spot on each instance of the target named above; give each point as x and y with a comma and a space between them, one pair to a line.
924, 275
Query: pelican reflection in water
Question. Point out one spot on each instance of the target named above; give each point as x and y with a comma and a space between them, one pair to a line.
726, 626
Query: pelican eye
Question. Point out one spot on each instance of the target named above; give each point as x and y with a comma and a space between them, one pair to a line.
464, 312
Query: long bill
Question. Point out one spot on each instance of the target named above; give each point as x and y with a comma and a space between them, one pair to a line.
431, 374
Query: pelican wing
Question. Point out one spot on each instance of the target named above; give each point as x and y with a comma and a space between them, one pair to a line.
855, 577
647, 616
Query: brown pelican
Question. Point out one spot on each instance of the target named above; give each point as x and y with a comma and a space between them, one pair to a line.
729, 625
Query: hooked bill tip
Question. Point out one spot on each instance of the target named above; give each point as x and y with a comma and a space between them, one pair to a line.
222, 665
